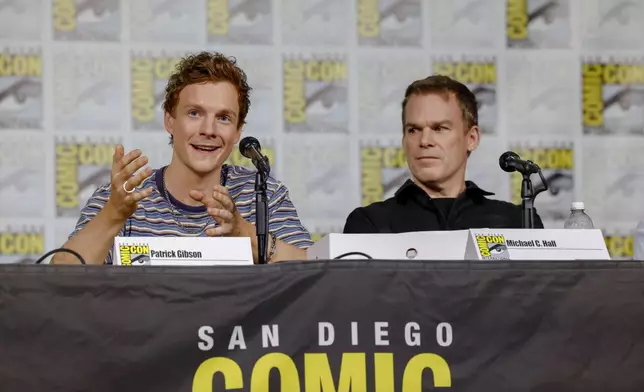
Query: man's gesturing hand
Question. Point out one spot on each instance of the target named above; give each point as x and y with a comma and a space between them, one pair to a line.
222, 209
125, 177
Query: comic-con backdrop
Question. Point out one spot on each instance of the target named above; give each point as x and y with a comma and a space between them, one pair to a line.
560, 82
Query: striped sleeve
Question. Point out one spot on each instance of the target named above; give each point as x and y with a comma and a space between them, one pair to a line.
283, 221
93, 206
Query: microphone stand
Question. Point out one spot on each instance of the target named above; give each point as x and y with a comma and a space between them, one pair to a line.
527, 198
261, 208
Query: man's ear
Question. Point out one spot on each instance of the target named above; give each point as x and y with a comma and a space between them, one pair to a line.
473, 138
168, 123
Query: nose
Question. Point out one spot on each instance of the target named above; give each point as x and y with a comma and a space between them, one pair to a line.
427, 138
209, 126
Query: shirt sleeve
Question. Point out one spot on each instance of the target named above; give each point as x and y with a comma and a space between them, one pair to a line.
93, 206
284, 222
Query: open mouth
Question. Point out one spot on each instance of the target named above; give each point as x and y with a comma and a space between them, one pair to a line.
205, 148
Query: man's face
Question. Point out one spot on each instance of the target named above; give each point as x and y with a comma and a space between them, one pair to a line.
435, 139
204, 128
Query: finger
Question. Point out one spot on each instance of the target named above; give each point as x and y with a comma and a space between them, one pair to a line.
128, 171
223, 199
201, 197
220, 214
118, 155
218, 231
139, 177
135, 197
126, 159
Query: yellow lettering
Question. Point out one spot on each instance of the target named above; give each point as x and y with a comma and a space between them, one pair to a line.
368, 18
95, 154
126, 255
384, 372
202, 381
517, 19
64, 14
218, 17
592, 100
294, 99
66, 176
353, 373
619, 246
163, 67
290, 381
413, 375
623, 74
20, 65
371, 163
143, 100
482, 244
326, 71
21, 243
394, 157
477, 73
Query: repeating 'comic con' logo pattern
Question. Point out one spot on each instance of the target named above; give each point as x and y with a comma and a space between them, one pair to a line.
21, 92
389, 23
538, 23
86, 20
613, 96
82, 165
21, 244
239, 21
315, 93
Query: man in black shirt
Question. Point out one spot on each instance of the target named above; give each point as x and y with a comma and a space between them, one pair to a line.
440, 130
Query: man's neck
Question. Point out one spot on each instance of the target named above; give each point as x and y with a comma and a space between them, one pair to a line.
452, 189
179, 180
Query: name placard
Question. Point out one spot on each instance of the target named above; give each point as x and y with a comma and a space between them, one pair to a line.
183, 251
420, 245
538, 244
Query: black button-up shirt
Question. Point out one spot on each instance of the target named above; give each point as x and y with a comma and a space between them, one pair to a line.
411, 209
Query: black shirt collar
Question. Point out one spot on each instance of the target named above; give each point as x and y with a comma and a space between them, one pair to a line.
410, 187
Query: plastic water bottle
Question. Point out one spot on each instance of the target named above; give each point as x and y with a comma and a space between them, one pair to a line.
638, 242
578, 218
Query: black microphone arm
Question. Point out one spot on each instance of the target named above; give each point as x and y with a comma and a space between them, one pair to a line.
511, 162
251, 149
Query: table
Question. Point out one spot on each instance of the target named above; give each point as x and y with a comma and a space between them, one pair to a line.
319, 325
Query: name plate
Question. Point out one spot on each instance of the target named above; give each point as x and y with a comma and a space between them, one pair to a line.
425, 245
537, 244
182, 251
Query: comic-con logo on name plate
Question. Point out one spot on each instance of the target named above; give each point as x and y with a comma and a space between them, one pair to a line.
315, 93
21, 88
492, 247
89, 20
134, 254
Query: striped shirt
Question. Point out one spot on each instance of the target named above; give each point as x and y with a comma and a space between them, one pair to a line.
157, 215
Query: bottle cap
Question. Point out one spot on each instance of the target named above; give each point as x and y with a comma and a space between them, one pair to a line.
577, 205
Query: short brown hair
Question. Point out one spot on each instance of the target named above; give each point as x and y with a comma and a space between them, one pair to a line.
207, 67
439, 84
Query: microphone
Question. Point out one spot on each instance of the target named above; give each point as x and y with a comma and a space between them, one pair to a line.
251, 149
511, 162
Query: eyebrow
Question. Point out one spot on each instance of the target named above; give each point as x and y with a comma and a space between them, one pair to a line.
228, 112
433, 124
